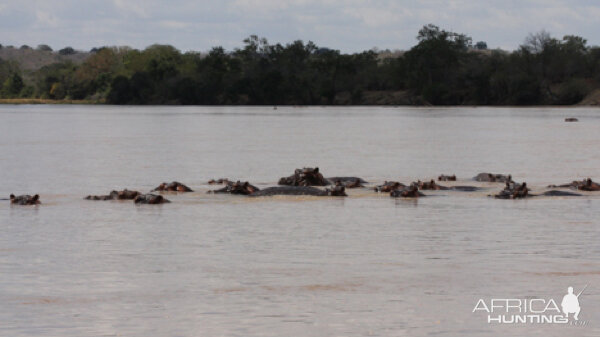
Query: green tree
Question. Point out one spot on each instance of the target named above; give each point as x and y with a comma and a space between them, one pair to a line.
44, 47
432, 64
67, 51
12, 85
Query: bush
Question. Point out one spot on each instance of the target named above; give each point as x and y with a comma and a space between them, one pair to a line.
12, 86
67, 51
57, 91
44, 47
27, 92
573, 92
120, 91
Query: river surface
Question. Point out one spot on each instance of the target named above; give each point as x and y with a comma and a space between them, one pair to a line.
221, 265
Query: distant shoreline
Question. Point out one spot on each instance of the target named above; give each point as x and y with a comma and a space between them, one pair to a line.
45, 101
41, 101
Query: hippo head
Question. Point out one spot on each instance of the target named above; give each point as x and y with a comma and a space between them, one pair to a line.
127, 194
311, 176
219, 181
123, 195
161, 187
156, 199
337, 191
241, 188
25, 199
431, 185
151, 199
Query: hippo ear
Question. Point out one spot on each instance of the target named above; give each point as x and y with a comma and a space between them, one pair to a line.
12, 196
316, 170
35, 197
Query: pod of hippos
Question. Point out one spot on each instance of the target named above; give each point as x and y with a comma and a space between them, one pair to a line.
303, 180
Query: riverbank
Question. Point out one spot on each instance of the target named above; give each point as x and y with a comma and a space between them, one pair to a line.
368, 98
46, 101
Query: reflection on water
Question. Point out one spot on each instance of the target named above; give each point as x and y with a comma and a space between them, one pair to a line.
220, 265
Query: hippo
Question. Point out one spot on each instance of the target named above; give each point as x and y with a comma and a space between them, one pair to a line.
348, 182
115, 195
447, 178
336, 191
493, 178
410, 192
571, 119
238, 187
431, 185
174, 186
219, 181
305, 177
514, 191
465, 188
150, 199
555, 193
389, 186
25, 200
583, 185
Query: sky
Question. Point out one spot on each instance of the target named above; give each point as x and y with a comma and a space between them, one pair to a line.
349, 26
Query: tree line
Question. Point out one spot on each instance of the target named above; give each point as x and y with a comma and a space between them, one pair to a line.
443, 68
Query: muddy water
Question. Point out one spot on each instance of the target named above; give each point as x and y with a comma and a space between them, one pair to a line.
209, 265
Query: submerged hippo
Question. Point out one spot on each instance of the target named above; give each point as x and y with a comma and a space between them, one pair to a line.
493, 178
238, 187
447, 178
115, 195
410, 192
336, 191
25, 199
555, 193
514, 191
431, 185
583, 185
348, 182
571, 119
305, 177
174, 186
219, 181
150, 199
389, 186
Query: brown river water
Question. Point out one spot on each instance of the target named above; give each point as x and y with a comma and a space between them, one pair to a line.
222, 265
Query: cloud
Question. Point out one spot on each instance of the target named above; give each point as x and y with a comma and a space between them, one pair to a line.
137, 8
45, 19
348, 25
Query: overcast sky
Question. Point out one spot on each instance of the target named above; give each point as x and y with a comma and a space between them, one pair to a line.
349, 26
